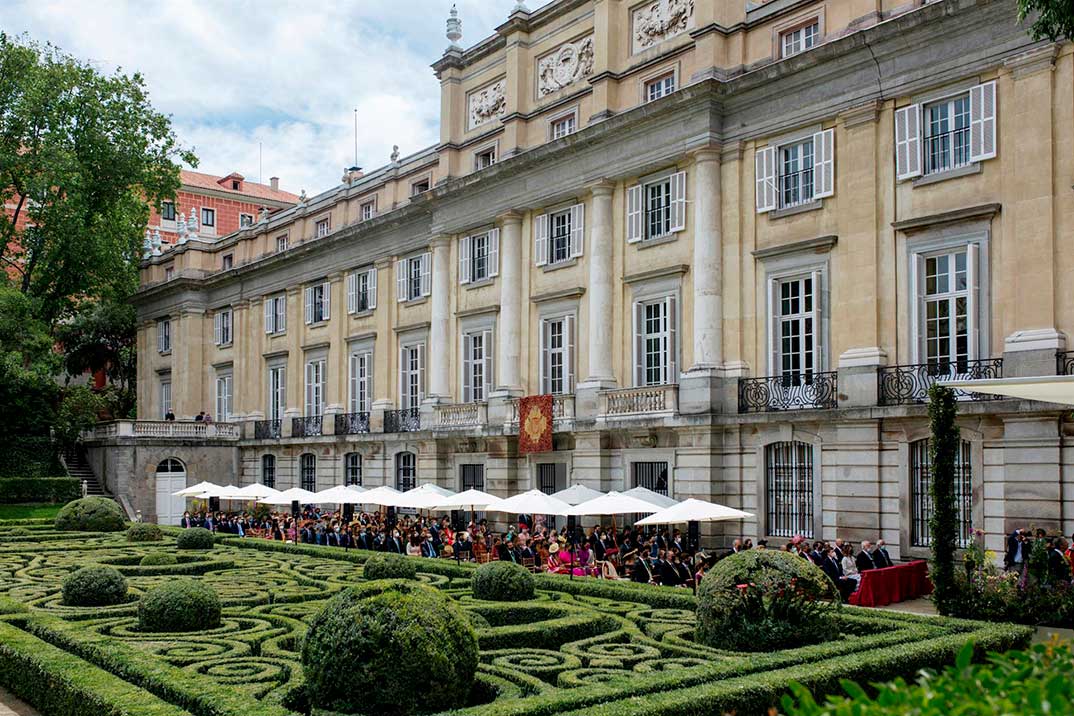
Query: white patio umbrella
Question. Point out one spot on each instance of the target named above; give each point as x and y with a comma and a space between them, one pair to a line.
383, 496
533, 502
474, 499
341, 495
614, 503
425, 496
194, 490
694, 511
230, 492
257, 491
644, 493
577, 494
304, 497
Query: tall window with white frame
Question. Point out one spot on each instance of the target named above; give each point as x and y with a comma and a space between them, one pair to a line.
222, 327
276, 314
352, 469
559, 241
164, 335
165, 396
655, 344
362, 291
317, 302
796, 174
413, 277
406, 471
476, 366
947, 134
797, 330
361, 381
557, 369
277, 392
946, 310
411, 376
659, 87
789, 489
223, 397
315, 385
800, 38
307, 464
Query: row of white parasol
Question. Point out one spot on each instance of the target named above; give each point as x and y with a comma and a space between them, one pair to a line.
577, 500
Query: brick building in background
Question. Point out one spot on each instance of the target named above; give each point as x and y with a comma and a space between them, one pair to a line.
222, 205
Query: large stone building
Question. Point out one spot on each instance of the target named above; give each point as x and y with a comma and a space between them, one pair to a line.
736, 241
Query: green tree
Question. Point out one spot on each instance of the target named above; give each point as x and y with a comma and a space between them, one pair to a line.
1052, 19
943, 524
78, 411
28, 366
81, 154
102, 336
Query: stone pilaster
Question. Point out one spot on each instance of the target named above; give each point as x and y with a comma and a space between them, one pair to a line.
438, 355
509, 325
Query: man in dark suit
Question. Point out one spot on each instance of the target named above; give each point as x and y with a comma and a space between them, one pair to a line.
1017, 551
736, 547
1058, 566
883, 559
395, 544
865, 559
831, 566
669, 574
642, 572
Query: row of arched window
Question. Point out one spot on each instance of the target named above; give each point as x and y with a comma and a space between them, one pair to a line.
406, 470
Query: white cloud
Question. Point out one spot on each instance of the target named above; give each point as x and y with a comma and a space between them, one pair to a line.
284, 73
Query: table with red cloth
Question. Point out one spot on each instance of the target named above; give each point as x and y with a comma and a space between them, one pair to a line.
898, 583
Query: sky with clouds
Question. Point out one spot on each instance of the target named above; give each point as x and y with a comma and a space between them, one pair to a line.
287, 74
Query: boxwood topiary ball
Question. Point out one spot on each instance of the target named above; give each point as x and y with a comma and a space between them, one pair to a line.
195, 538
502, 582
144, 532
395, 647
389, 566
180, 605
158, 558
94, 586
760, 600
91, 514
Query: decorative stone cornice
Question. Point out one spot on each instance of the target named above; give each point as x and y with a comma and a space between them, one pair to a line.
984, 211
576, 292
819, 245
868, 113
1033, 61
652, 274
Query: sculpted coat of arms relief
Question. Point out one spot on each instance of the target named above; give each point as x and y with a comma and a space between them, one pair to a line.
661, 20
488, 103
565, 65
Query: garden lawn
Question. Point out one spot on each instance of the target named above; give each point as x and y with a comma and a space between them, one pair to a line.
24, 512
578, 647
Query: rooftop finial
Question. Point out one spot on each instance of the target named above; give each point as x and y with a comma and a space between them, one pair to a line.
454, 29
395, 153
520, 6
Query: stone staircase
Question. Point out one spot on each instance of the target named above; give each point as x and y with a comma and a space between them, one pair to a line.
77, 467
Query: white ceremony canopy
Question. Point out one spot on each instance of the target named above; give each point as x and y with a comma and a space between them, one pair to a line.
533, 502
644, 493
614, 503
383, 496
694, 511
224, 492
576, 494
195, 489
304, 497
472, 499
425, 496
340, 495
1048, 389
256, 491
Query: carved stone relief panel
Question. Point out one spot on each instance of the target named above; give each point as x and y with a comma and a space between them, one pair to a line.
661, 20
487, 104
565, 65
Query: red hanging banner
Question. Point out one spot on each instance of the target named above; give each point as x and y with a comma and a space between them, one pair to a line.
534, 424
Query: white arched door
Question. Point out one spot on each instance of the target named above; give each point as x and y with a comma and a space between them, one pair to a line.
171, 477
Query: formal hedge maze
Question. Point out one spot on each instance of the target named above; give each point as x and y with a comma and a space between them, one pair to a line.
578, 647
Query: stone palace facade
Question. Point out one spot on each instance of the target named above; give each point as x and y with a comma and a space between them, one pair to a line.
737, 241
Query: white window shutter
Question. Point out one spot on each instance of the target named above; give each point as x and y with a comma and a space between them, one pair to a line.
426, 274
160, 336
678, 201
915, 284
540, 239
467, 367
983, 121
309, 305
569, 387
326, 301
577, 230
281, 313
309, 389
765, 168
972, 303
465, 245
404, 384
639, 344
487, 355
400, 280
270, 314
352, 292
352, 364
421, 372
493, 259
218, 328
908, 142
633, 214
545, 377
672, 317
818, 322
371, 288
773, 327
824, 164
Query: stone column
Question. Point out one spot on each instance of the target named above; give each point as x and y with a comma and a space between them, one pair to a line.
600, 321
509, 326
706, 272
438, 355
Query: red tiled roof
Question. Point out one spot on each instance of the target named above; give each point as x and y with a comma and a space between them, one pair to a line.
200, 180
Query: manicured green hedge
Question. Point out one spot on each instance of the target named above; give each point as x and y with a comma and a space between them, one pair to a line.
502, 582
91, 514
94, 585
389, 566
154, 559
144, 532
179, 606
15, 490
195, 538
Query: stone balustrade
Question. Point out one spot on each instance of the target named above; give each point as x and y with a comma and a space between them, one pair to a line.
155, 429
461, 415
653, 400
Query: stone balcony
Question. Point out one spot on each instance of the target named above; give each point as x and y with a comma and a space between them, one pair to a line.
460, 416
649, 402
157, 429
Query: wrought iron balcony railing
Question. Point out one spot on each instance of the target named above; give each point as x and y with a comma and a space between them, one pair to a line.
352, 423
1064, 363
307, 426
402, 421
793, 391
909, 384
268, 429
